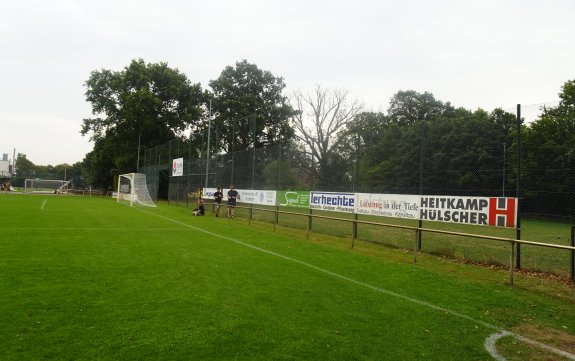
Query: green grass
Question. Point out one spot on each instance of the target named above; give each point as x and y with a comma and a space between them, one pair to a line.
84, 278
533, 258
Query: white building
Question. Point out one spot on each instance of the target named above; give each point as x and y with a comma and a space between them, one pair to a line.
5, 167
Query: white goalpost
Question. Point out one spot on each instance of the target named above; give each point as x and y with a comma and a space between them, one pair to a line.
132, 187
45, 185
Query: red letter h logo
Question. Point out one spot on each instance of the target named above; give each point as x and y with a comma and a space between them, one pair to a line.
502, 212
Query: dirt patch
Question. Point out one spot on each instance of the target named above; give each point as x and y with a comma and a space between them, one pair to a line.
555, 338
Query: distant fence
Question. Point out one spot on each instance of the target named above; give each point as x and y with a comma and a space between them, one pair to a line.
563, 265
466, 158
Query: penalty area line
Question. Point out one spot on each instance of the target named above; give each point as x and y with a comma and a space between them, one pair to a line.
500, 330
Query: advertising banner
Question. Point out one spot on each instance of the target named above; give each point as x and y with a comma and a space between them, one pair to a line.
297, 199
267, 198
178, 167
208, 193
388, 205
332, 201
486, 211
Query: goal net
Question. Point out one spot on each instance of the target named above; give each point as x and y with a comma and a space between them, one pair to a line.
132, 187
44, 185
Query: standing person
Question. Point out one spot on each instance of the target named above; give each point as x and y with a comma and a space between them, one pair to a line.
200, 211
232, 197
218, 195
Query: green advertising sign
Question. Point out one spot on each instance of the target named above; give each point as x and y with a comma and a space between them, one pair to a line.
298, 199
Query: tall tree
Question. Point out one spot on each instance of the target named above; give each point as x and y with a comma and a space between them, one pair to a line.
321, 123
408, 106
24, 166
250, 108
147, 104
549, 145
363, 135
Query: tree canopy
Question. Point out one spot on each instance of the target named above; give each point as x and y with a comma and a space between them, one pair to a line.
246, 101
322, 123
146, 104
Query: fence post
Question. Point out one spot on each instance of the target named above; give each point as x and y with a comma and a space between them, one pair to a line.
421, 136
415, 245
511, 263
518, 186
354, 232
308, 224
254, 152
275, 218
250, 216
573, 254
277, 214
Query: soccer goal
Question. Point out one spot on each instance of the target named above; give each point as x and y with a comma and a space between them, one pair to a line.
44, 185
132, 187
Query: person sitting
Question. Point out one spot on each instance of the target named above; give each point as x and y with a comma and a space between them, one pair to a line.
200, 211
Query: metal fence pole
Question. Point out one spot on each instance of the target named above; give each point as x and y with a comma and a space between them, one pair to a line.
233, 149
420, 222
275, 218
511, 263
573, 254
254, 152
415, 245
518, 187
308, 223
355, 183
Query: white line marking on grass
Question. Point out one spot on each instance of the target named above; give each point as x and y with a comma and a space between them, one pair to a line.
500, 330
43, 204
490, 344
91, 229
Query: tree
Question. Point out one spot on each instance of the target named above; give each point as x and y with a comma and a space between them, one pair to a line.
321, 124
278, 174
549, 145
250, 109
407, 107
144, 104
24, 167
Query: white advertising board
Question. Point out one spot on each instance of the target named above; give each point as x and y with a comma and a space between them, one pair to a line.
178, 167
388, 205
485, 211
332, 201
267, 198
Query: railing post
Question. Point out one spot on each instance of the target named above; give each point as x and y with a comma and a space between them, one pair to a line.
309, 223
416, 245
250, 216
573, 254
518, 187
275, 218
512, 263
354, 232
278, 214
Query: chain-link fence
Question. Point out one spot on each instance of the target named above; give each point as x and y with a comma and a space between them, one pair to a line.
472, 154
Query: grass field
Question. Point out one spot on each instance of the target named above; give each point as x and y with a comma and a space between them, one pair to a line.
84, 278
533, 258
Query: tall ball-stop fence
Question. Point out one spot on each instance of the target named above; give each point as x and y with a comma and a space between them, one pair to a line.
475, 155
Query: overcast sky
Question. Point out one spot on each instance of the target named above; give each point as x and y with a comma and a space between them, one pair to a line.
474, 54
